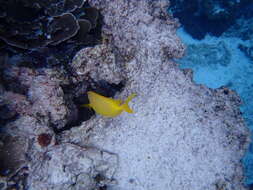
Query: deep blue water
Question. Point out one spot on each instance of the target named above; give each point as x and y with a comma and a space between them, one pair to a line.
220, 51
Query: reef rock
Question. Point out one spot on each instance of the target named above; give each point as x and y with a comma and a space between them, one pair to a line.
182, 135
68, 166
97, 63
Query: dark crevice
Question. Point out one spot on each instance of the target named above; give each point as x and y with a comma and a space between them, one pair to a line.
99, 178
14, 86
3, 122
7, 114
106, 89
83, 113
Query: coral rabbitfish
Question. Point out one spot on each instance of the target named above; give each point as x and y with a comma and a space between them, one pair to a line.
107, 106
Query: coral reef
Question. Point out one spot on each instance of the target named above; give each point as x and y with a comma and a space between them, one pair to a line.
30, 25
183, 135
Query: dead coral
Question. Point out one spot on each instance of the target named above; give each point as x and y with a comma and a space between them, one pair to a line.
98, 63
12, 153
72, 162
16, 143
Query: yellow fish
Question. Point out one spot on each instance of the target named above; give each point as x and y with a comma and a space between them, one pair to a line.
107, 106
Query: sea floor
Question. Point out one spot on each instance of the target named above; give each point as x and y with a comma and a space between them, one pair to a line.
217, 62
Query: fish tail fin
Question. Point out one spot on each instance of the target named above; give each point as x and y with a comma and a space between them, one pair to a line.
129, 98
126, 106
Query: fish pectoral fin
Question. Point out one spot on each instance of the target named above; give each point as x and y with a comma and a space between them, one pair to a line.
86, 106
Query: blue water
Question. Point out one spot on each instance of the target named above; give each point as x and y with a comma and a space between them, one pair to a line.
216, 62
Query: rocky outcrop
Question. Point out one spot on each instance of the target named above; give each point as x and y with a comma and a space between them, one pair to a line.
183, 135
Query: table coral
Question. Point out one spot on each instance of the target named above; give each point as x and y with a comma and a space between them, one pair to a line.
37, 26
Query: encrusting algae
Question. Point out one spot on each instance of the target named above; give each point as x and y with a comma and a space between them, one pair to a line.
107, 106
